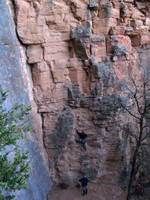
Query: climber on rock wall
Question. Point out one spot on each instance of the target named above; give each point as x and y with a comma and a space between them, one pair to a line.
84, 183
82, 139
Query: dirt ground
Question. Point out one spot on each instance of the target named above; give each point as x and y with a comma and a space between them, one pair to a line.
94, 193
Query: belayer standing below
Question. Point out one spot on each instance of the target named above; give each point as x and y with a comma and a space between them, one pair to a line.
84, 183
82, 139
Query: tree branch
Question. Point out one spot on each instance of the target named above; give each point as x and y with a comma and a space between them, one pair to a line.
135, 95
129, 112
147, 134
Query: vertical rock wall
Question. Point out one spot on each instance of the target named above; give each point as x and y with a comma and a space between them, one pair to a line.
81, 54
15, 76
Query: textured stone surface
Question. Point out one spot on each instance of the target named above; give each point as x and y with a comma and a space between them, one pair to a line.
34, 54
14, 77
81, 56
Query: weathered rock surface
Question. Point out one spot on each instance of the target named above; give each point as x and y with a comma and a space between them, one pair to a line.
15, 77
80, 56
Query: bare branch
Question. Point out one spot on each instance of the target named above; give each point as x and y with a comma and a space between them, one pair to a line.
148, 105
144, 96
147, 134
145, 144
130, 90
134, 136
129, 112
135, 94
140, 98
146, 126
145, 91
146, 75
137, 103
146, 81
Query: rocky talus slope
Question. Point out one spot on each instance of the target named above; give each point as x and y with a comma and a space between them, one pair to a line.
81, 54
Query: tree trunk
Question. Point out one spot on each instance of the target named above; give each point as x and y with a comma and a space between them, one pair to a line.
135, 155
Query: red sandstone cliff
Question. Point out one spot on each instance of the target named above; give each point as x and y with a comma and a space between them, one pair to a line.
80, 53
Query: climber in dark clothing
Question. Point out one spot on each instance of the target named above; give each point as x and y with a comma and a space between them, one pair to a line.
82, 139
84, 182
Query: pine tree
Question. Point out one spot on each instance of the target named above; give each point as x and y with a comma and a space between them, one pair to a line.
14, 162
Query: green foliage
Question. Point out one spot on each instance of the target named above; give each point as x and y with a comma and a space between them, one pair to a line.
14, 163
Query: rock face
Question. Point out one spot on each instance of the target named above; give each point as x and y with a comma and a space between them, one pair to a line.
15, 78
81, 56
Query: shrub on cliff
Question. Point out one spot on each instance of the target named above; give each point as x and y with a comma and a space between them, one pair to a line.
14, 162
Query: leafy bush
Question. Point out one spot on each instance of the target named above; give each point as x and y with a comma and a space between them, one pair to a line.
14, 162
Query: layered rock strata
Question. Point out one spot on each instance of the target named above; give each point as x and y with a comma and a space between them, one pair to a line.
81, 54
